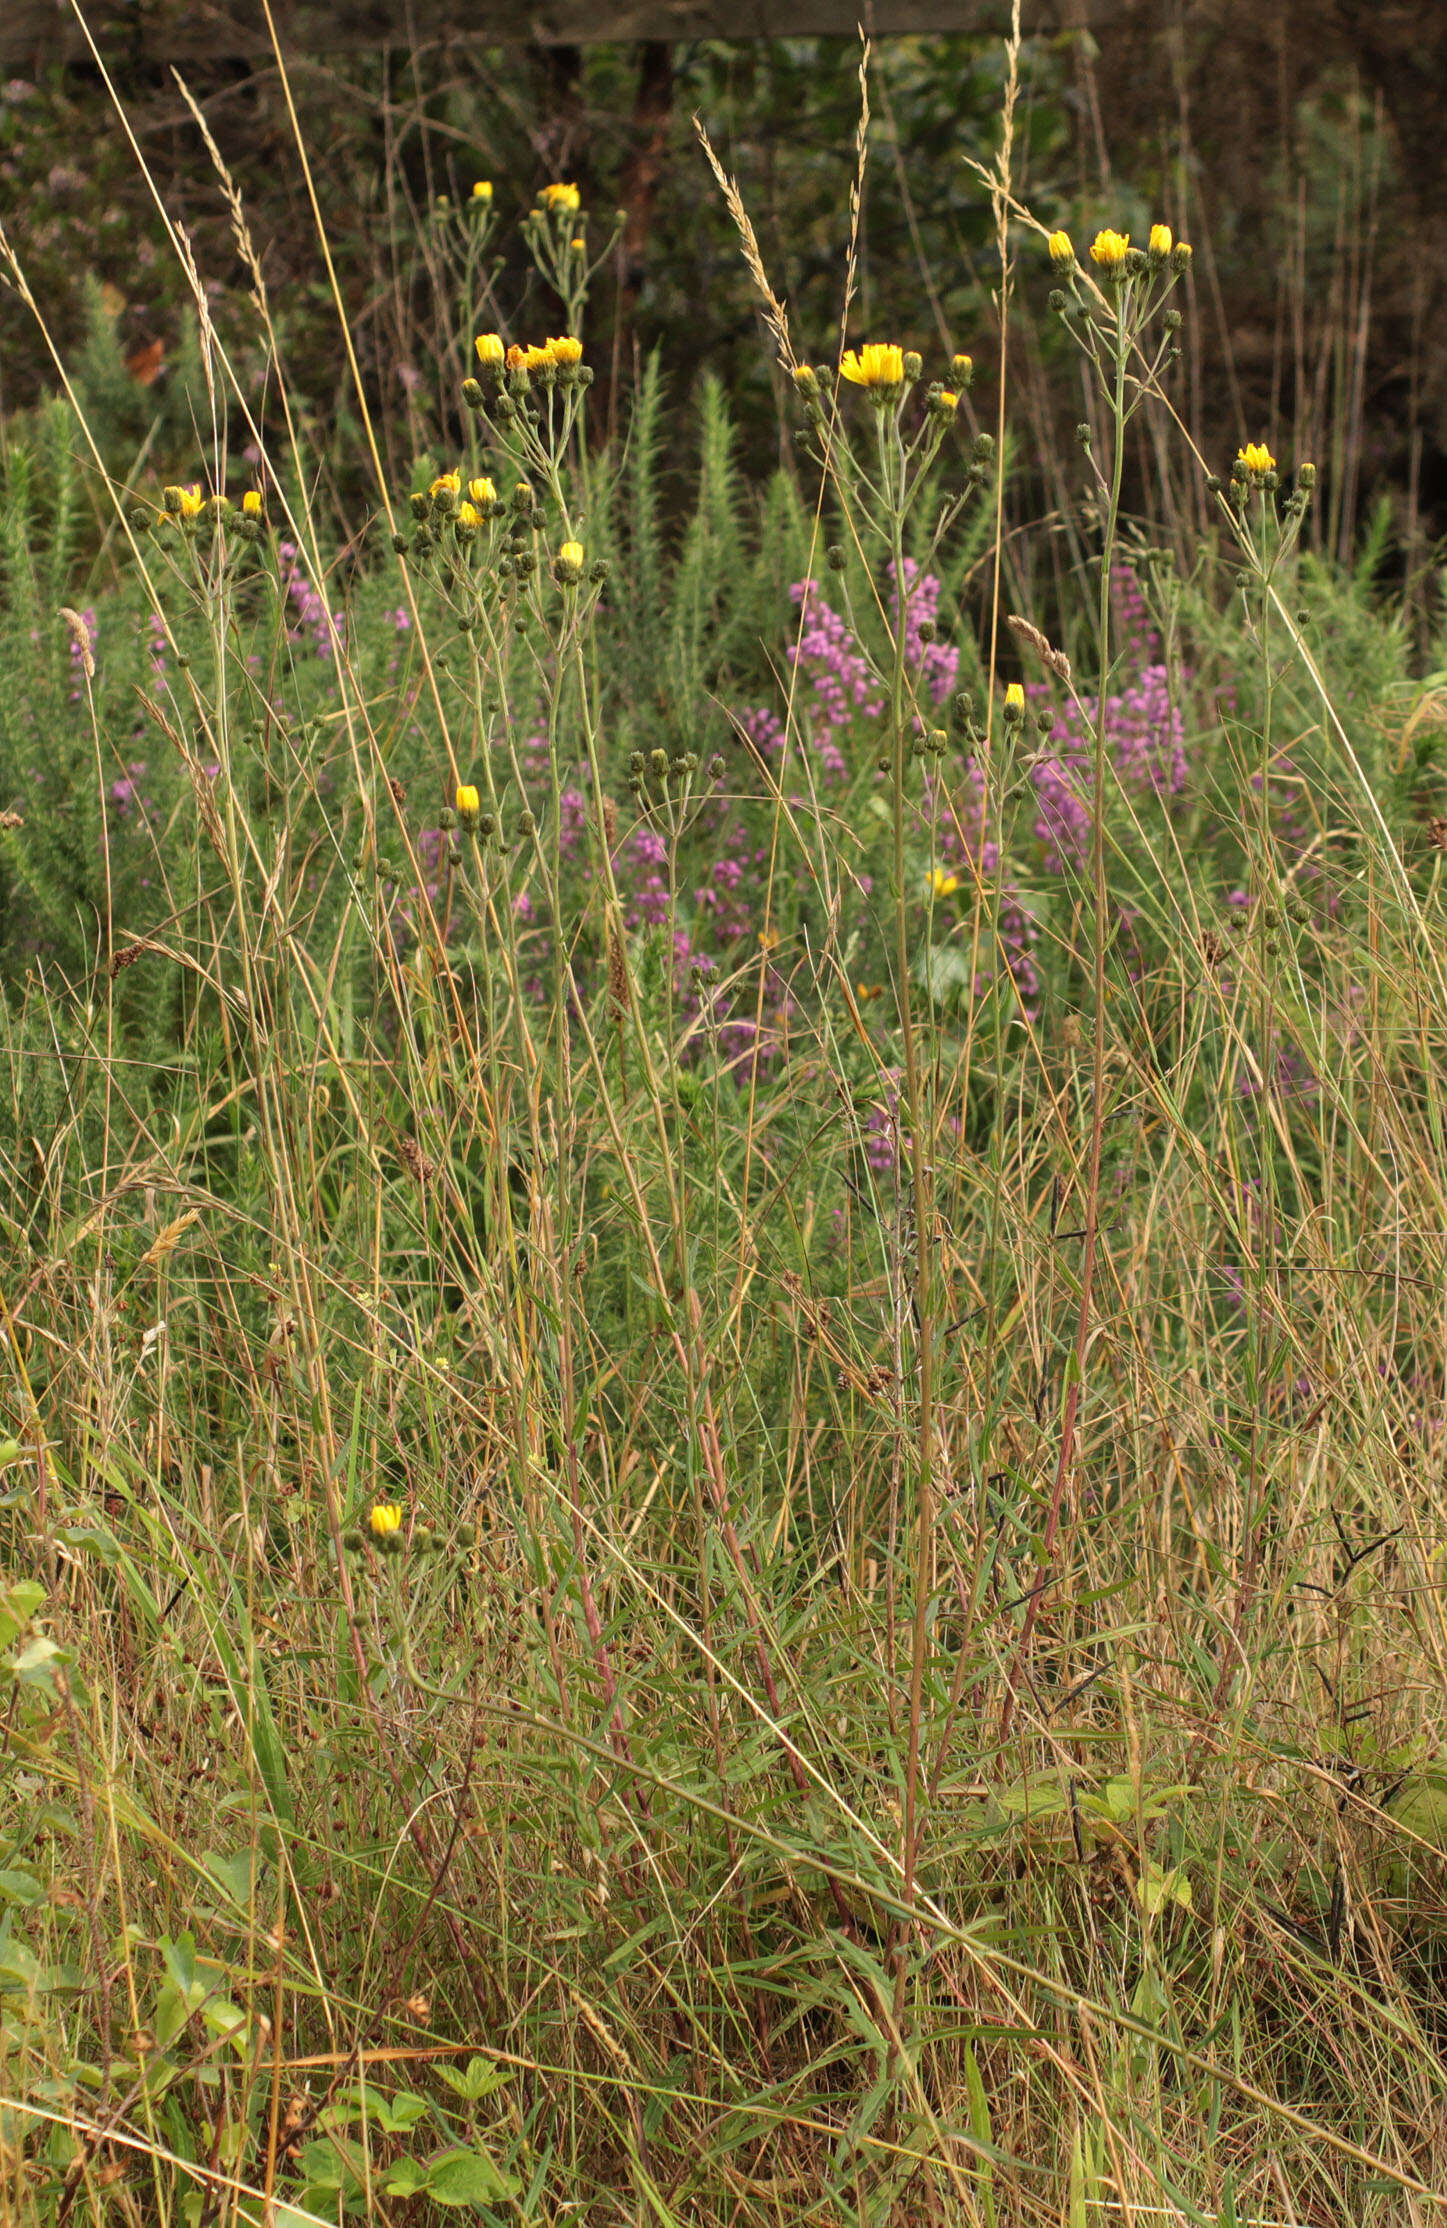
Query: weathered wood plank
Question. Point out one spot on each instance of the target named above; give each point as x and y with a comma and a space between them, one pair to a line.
33, 32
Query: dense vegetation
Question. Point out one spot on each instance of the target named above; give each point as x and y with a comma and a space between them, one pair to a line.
723, 1380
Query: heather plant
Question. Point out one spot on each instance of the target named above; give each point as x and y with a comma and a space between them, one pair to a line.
723, 1325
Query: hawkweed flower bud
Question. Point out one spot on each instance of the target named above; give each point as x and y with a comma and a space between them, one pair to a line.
878, 367
469, 805
1172, 321
944, 403
568, 565
982, 449
836, 557
419, 504
444, 492
1108, 251
1057, 301
1083, 434
1161, 243
1062, 251
482, 192
806, 380
913, 364
352, 1540
1213, 483
1257, 461
472, 394
598, 571
1306, 478
522, 498
401, 544
1044, 720
1014, 703
138, 518
1181, 256
962, 370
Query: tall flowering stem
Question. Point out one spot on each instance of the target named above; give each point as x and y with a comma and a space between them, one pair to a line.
1109, 326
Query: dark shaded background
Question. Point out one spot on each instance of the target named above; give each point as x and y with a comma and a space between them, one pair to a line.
1297, 146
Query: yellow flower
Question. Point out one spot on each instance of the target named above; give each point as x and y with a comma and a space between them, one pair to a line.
1062, 248
1110, 249
468, 518
469, 803
1015, 696
880, 363
577, 246
566, 351
251, 503
963, 368
1257, 459
571, 553
560, 197
481, 491
940, 884
386, 1517
948, 399
446, 483
1162, 240
183, 502
490, 349
482, 190
865, 991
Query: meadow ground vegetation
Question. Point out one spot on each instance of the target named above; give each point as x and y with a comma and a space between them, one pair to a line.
722, 1377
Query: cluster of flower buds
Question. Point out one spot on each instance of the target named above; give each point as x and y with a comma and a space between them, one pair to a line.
190, 510
665, 774
1115, 258
507, 375
383, 1532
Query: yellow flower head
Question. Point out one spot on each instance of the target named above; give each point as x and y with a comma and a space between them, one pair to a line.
560, 196
566, 351
469, 803
1257, 459
879, 364
482, 190
386, 1517
948, 399
490, 348
1015, 697
864, 992
1110, 249
1062, 249
1162, 240
963, 368
251, 503
941, 884
468, 518
577, 247
183, 502
481, 491
446, 483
